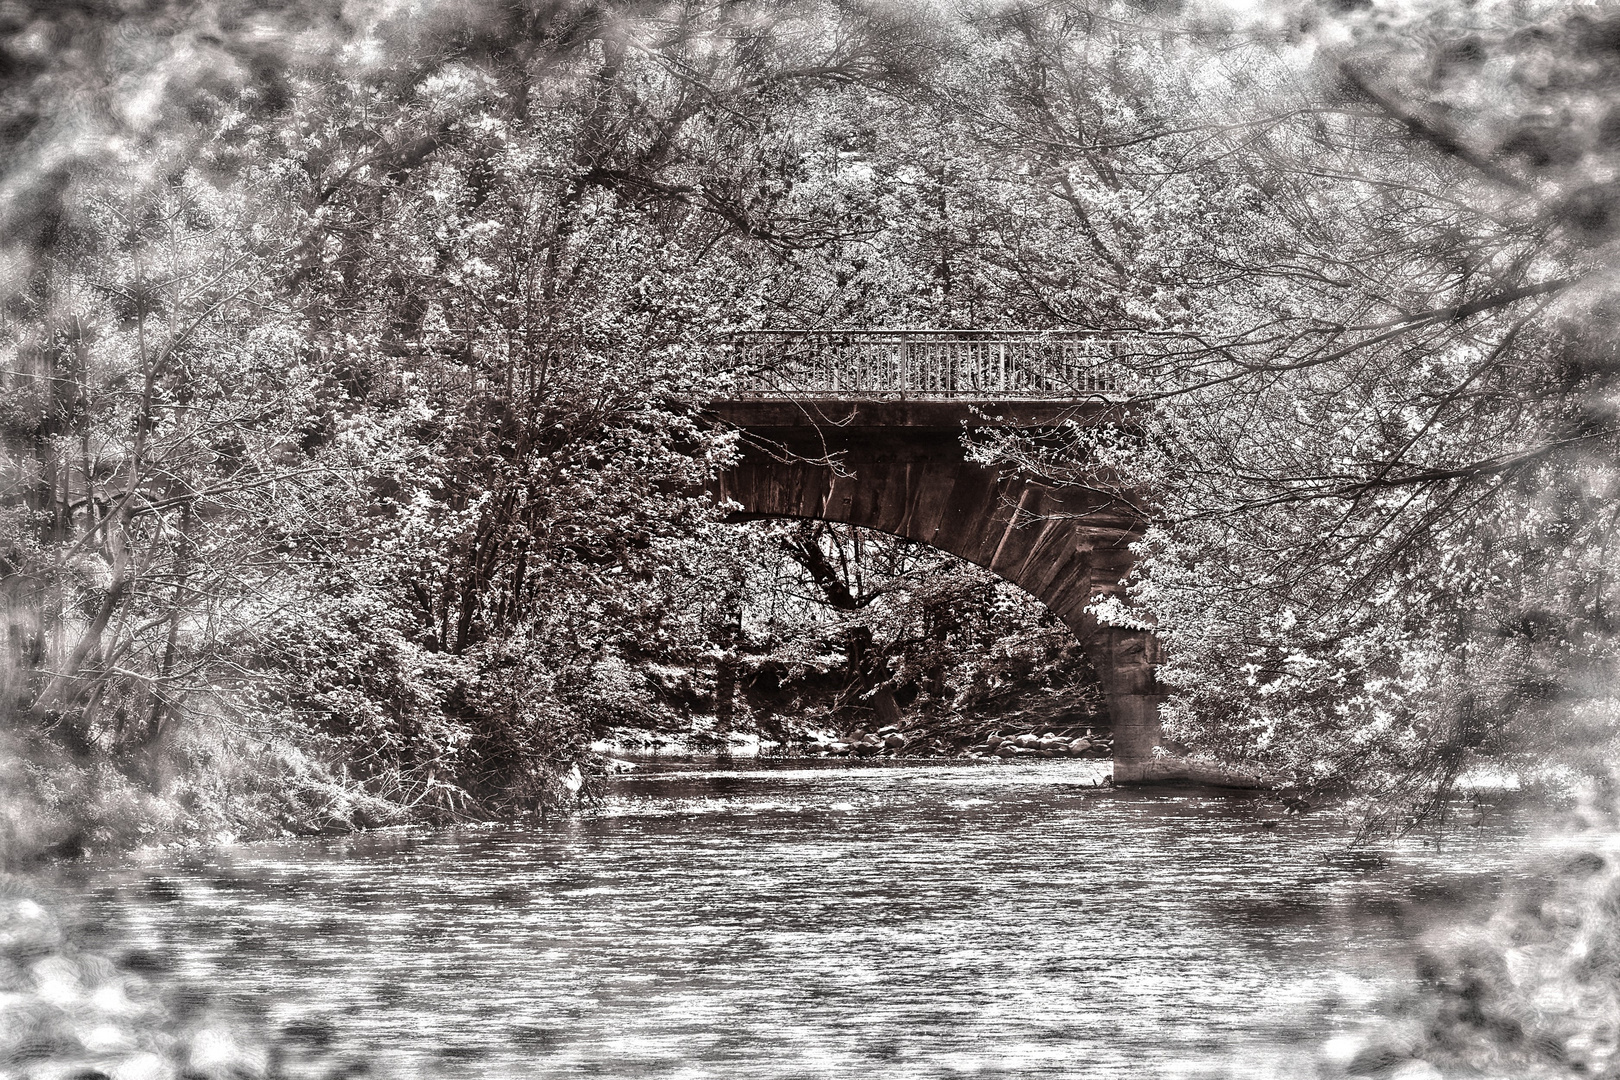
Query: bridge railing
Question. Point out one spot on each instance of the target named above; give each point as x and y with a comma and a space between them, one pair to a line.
925, 363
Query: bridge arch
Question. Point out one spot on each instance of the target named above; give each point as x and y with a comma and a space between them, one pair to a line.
898, 466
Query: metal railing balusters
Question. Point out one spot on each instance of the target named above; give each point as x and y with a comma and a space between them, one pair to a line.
924, 363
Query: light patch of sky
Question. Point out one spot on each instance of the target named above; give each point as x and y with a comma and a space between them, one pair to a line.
139, 106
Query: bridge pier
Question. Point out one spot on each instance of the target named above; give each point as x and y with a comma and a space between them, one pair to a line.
1125, 661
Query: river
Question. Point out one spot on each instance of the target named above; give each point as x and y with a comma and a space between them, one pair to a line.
797, 921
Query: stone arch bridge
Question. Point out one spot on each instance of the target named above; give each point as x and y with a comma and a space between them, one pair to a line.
866, 428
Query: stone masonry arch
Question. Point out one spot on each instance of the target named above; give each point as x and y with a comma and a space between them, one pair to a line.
898, 466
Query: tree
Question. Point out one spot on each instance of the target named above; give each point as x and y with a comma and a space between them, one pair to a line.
415, 349
1379, 437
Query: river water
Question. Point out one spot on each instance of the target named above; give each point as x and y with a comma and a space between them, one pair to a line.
939, 921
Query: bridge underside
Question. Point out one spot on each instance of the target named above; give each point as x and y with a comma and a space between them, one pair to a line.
899, 467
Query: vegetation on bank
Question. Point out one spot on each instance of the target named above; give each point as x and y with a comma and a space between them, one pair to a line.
354, 365
356, 468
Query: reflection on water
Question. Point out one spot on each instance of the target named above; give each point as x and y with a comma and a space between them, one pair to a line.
898, 922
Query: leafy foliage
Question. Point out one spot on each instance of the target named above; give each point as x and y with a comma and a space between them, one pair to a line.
354, 364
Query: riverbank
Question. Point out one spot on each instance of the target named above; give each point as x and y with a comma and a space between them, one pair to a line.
1042, 734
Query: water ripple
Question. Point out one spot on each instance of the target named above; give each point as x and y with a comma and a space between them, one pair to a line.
840, 923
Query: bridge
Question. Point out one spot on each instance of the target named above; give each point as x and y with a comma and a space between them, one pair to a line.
866, 428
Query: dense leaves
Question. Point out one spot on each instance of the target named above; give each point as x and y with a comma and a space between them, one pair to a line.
1379, 431
355, 360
